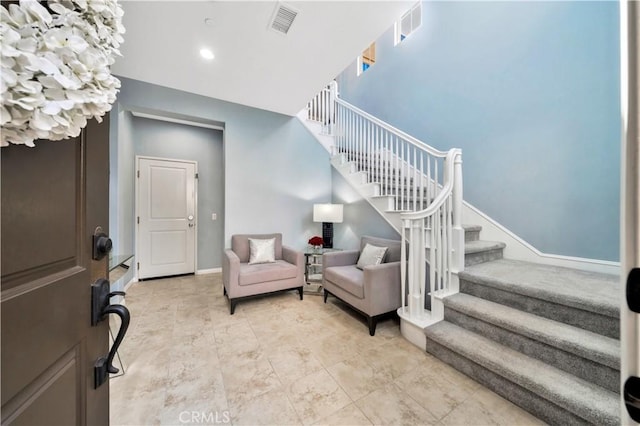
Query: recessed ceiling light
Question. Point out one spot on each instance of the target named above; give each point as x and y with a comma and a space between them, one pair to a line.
206, 54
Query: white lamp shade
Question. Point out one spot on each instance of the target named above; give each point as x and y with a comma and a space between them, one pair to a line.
331, 213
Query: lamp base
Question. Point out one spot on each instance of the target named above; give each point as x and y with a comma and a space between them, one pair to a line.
327, 234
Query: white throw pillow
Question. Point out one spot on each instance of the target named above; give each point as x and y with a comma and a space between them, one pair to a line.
371, 255
262, 251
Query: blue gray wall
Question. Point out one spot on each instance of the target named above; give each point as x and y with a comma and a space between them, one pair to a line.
154, 138
274, 170
530, 92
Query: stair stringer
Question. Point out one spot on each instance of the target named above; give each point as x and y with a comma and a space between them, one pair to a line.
368, 191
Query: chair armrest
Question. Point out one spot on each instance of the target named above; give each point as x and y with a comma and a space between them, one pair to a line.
295, 258
340, 258
230, 268
382, 287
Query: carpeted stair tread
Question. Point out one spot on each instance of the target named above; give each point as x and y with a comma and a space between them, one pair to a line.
590, 291
472, 228
478, 246
588, 401
586, 344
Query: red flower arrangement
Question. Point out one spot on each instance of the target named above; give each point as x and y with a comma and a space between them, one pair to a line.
316, 241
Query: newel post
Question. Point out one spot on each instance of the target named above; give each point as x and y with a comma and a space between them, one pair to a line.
333, 95
458, 230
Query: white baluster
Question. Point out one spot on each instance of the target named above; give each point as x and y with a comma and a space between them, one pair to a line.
403, 263
402, 178
416, 206
422, 263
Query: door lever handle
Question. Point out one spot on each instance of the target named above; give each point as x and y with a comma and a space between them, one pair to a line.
633, 290
107, 363
100, 310
631, 394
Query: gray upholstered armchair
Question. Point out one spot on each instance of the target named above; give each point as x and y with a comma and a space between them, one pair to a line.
373, 290
244, 277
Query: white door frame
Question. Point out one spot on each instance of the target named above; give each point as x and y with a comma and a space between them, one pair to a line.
629, 194
137, 208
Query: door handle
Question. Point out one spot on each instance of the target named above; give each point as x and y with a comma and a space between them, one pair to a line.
632, 397
100, 310
633, 290
191, 225
102, 244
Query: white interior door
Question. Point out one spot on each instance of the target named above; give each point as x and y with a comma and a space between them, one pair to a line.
166, 202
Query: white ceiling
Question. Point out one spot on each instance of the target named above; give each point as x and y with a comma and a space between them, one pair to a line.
254, 65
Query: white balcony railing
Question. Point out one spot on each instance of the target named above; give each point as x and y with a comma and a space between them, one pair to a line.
425, 185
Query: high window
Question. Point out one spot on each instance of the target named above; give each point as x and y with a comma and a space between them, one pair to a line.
409, 22
367, 59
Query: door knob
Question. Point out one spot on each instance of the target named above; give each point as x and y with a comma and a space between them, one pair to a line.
102, 245
100, 310
190, 217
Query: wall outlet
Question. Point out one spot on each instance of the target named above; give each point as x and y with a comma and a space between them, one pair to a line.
214, 216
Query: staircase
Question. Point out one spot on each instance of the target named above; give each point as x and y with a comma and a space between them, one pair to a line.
543, 337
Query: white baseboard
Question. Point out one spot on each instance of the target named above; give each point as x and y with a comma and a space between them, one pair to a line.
208, 271
519, 249
130, 283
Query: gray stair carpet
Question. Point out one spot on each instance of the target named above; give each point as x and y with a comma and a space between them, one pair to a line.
549, 393
585, 299
588, 355
471, 232
479, 251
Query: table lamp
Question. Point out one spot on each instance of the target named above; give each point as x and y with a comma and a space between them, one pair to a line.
328, 214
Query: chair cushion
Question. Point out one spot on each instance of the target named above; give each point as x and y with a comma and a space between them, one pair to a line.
371, 255
349, 278
265, 272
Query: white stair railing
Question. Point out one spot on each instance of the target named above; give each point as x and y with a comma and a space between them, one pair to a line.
438, 228
421, 182
321, 108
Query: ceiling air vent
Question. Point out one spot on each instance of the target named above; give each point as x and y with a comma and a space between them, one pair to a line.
283, 18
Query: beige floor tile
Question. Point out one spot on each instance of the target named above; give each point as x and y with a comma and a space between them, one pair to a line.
389, 405
207, 390
470, 411
349, 415
394, 357
502, 411
334, 348
357, 377
432, 390
199, 412
279, 360
249, 380
136, 410
316, 396
293, 362
270, 408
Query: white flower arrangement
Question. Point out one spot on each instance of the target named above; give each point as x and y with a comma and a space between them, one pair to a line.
56, 63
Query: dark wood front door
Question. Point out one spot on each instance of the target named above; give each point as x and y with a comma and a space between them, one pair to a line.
53, 198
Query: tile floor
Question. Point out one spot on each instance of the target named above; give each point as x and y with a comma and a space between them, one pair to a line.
282, 361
